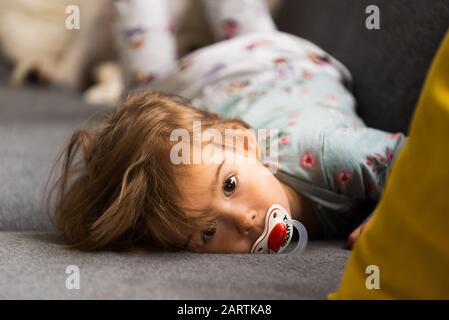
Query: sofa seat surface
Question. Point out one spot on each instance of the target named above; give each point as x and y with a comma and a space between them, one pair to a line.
35, 123
33, 266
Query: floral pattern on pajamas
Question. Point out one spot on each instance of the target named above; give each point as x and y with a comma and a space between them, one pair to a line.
279, 81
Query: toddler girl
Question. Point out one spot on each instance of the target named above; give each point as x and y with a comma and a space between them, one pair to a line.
160, 172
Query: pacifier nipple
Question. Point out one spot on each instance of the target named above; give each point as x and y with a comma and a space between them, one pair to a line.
278, 233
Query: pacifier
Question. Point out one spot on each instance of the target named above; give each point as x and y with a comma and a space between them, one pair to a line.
278, 233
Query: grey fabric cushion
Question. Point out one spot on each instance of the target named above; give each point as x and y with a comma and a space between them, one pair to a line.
388, 65
34, 265
34, 125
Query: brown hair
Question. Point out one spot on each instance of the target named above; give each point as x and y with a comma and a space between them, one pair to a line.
117, 188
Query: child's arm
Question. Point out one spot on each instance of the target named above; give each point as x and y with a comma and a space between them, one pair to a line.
232, 18
357, 163
146, 40
355, 234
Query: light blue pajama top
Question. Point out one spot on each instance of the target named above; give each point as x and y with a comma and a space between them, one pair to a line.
280, 81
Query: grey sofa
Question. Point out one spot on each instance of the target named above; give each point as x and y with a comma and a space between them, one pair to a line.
388, 65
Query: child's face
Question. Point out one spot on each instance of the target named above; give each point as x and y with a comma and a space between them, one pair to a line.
240, 194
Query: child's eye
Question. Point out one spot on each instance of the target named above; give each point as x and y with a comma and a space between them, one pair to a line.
230, 185
208, 233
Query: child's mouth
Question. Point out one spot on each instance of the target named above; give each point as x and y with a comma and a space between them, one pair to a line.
278, 232
274, 235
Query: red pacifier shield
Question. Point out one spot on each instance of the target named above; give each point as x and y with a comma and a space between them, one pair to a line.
278, 233
277, 237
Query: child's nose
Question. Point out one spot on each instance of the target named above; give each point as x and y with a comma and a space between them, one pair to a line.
245, 221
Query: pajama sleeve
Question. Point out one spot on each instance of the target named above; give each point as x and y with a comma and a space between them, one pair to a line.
357, 162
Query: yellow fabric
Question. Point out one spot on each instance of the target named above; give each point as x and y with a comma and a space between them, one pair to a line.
408, 237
